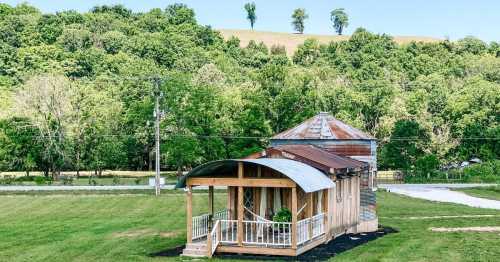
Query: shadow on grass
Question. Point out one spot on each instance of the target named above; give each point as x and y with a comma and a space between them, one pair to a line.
320, 253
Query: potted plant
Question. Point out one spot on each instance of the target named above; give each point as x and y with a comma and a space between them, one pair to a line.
284, 215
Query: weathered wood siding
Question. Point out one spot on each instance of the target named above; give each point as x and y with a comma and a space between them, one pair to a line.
345, 202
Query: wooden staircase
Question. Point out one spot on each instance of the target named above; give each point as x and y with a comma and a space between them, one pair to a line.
196, 249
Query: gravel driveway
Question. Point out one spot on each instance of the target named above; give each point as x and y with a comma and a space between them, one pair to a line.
442, 193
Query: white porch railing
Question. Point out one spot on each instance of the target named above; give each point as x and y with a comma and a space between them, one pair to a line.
221, 215
310, 228
303, 231
200, 223
229, 231
318, 225
199, 226
214, 238
257, 233
276, 234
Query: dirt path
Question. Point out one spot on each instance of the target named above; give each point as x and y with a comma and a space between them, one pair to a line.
442, 193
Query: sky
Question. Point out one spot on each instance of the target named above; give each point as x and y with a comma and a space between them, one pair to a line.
453, 19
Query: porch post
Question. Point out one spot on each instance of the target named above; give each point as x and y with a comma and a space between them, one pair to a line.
189, 214
294, 218
240, 206
210, 208
326, 210
310, 212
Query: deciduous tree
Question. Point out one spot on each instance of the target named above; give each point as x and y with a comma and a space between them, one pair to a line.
298, 19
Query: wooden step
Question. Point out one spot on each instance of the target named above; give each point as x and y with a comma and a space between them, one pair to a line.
195, 250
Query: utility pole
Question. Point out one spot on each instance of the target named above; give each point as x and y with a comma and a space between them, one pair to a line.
157, 114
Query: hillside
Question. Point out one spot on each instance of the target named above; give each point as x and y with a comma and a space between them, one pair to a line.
291, 40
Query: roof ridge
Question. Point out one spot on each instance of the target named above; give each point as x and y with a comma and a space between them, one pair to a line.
323, 126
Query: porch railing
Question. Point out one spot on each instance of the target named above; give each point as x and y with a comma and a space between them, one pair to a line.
200, 226
310, 228
229, 231
200, 223
214, 238
267, 233
258, 233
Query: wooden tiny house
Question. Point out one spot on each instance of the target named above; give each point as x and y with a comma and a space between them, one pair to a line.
316, 191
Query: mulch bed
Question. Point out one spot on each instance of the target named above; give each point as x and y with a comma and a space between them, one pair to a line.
319, 253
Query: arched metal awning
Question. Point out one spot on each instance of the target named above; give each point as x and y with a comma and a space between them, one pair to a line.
307, 177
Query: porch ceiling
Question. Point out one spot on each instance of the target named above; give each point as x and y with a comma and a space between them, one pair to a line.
307, 177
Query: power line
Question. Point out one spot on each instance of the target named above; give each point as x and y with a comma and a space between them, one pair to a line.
169, 134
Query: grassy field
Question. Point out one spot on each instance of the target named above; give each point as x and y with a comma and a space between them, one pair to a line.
484, 192
130, 227
291, 40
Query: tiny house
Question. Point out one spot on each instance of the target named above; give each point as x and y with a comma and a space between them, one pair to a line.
285, 200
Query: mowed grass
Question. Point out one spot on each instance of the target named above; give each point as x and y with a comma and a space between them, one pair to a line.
484, 192
131, 227
292, 40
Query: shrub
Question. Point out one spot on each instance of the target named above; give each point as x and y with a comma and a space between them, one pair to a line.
116, 180
484, 172
92, 181
40, 180
8, 180
138, 180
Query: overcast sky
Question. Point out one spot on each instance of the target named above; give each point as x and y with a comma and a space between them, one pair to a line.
438, 18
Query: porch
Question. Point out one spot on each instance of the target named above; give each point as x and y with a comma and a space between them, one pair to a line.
258, 237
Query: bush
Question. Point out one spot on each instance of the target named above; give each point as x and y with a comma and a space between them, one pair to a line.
116, 180
8, 180
427, 166
484, 172
40, 180
92, 181
138, 180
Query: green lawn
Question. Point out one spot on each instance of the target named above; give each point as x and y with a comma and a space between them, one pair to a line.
129, 227
484, 192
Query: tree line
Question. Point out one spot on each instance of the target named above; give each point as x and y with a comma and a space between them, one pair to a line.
77, 92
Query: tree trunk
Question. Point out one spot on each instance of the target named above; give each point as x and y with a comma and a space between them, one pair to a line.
150, 160
179, 172
78, 164
27, 173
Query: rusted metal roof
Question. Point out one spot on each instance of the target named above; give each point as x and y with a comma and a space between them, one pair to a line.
311, 154
323, 126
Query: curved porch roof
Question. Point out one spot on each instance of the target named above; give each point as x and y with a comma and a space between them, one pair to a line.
307, 177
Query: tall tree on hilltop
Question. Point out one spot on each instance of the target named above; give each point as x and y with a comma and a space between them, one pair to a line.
298, 17
251, 16
340, 20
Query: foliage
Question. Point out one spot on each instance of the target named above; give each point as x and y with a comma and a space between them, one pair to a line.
484, 172
251, 16
283, 215
405, 147
298, 18
339, 19
76, 92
